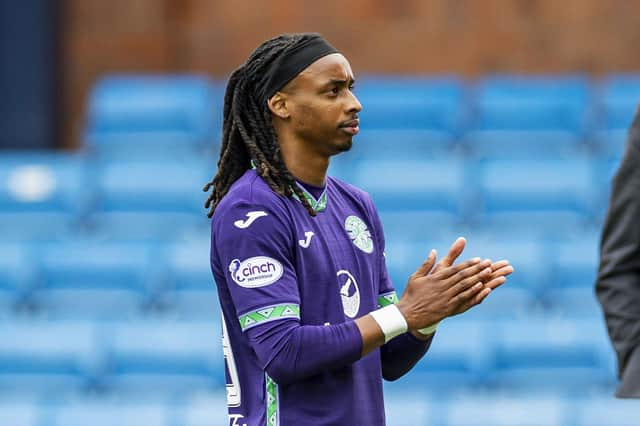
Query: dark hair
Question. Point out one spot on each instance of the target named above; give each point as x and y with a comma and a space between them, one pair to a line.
247, 130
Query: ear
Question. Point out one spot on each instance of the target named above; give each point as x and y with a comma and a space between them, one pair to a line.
279, 106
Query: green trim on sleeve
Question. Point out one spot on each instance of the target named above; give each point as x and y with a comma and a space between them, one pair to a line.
268, 314
387, 299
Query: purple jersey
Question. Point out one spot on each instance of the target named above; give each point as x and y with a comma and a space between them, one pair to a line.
274, 263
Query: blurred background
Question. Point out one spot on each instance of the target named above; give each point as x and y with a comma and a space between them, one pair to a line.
502, 121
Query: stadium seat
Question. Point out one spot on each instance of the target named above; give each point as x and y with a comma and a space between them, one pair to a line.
547, 353
21, 412
606, 410
459, 358
42, 358
191, 290
151, 201
539, 198
17, 277
43, 196
434, 104
97, 412
207, 409
497, 410
620, 96
152, 117
399, 144
409, 409
529, 117
191, 358
94, 280
413, 185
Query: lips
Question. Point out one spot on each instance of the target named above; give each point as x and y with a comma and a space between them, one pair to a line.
352, 126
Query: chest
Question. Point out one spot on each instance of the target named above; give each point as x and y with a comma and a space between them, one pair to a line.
337, 265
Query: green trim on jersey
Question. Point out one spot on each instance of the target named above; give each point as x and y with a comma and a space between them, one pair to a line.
318, 205
273, 412
268, 314
387, 299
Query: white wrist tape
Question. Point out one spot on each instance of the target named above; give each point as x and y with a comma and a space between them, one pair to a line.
391, 321
429, 330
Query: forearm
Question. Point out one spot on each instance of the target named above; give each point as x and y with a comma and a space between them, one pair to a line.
290, 352
401, 354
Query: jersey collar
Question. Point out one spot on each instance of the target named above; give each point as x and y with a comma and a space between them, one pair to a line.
318, 205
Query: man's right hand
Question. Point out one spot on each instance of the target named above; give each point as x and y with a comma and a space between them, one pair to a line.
433, 294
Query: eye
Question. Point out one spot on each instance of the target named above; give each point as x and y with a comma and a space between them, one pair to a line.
335, 90
352, 87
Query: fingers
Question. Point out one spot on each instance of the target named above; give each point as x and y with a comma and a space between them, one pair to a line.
445, 273
474, 300
470, 276
495, 283
468, 294
501, 271
454, 252
427, 265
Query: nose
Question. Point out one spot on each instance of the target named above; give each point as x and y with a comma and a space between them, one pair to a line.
353, 104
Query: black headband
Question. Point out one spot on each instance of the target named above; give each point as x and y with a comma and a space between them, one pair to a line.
291, 63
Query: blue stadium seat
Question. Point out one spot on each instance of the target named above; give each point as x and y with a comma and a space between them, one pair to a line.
413, 185
99, 412
547, 103
419, 226
94, 280
42, 358
207, 409
190, 360
459, 358
548, 198
606, 410
569, 288
497, 410
150, 201
147, 116
44, 195
17, 277
432, 103
529, 117
404, 408
400, 144
191, 290
21, 412
539, 353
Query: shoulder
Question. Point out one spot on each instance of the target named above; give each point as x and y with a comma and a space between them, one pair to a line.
352, 191
250, 193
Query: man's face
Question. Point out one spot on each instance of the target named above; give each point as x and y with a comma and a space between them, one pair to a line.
322, 105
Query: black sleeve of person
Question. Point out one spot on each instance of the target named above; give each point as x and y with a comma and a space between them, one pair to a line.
618, 282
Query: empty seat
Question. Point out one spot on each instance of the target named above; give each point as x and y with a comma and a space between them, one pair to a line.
433, 104
17, 277
413, 185
190, 358
39, 358
538, 353
497, 410
191, 290
207, 409
43, 195
21, 412
94, 280
404, 408
544, 198
147, 201
147, 116
458, 358
109, 413
546, 103
400, 144
606, 410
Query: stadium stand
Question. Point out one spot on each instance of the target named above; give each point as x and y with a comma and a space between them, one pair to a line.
109, 311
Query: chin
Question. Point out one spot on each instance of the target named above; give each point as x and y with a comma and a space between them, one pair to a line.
343, 146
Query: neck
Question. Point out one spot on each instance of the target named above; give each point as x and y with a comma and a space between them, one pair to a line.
304, 164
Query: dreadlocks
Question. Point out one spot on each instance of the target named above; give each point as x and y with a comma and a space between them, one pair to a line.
247, 131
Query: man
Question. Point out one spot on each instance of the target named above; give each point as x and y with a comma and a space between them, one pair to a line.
310, 320
618, 284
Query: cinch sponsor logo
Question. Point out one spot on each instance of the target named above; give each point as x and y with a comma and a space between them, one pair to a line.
257, 271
